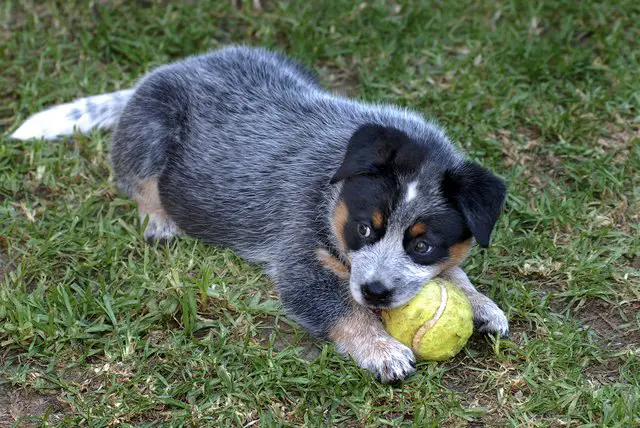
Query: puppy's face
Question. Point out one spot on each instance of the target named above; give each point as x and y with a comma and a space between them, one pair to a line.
407, 211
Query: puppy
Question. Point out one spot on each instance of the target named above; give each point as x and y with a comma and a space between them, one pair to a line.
350, 207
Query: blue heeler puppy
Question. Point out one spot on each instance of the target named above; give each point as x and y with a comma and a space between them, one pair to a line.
350, 207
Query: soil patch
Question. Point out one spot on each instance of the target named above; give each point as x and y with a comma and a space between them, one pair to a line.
618, 142
29, 408
617, 326
520, 150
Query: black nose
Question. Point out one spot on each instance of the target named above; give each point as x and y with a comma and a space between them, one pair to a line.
376, 293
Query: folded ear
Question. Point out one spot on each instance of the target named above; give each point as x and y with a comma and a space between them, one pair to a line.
479, 195
375, 149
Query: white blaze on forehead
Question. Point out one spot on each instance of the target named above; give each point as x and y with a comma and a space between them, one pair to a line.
412, 191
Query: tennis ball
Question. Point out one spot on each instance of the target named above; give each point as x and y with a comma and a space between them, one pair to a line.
435, 324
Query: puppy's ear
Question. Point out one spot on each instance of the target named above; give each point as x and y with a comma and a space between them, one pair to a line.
375, 149
479, 195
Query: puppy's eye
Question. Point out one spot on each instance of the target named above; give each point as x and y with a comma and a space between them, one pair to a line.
364, 230
423, 248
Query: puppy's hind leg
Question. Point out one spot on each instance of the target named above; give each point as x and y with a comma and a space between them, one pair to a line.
139, 155
160, 228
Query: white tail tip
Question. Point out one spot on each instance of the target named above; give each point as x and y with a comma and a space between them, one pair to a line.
48, 124
82, 115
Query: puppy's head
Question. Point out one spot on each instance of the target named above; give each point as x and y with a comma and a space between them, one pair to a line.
408, 210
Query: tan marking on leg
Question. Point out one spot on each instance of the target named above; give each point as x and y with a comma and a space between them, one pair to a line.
160, 225
332, 263
340, 217
377, 219
417, 229
355, 331
148, 198
361, 335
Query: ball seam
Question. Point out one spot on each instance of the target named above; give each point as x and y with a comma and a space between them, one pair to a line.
424, 328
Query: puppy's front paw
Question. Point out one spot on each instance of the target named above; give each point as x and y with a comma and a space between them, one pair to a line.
361, 336
490, 319
388, 360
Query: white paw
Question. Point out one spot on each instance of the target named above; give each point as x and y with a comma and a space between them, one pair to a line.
388, 360
160, 229
490, 319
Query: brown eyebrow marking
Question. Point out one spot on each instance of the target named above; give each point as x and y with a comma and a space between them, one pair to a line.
417, 229
377, 220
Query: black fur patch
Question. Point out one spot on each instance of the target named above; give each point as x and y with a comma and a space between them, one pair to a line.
443, 231
478, 195
375, 149
363, 195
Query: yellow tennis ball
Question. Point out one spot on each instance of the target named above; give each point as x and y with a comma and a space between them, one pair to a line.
435, 324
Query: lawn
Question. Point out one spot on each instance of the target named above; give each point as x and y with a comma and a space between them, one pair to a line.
99, 328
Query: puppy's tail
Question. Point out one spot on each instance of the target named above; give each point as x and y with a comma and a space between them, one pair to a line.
84, 114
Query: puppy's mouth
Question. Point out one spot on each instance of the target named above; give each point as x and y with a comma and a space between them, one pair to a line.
377, 312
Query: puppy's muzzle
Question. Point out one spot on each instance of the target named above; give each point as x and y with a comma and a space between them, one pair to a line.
376, 294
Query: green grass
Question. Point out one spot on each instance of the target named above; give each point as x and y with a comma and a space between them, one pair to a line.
98, 328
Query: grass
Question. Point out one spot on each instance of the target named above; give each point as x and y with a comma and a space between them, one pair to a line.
98, 328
